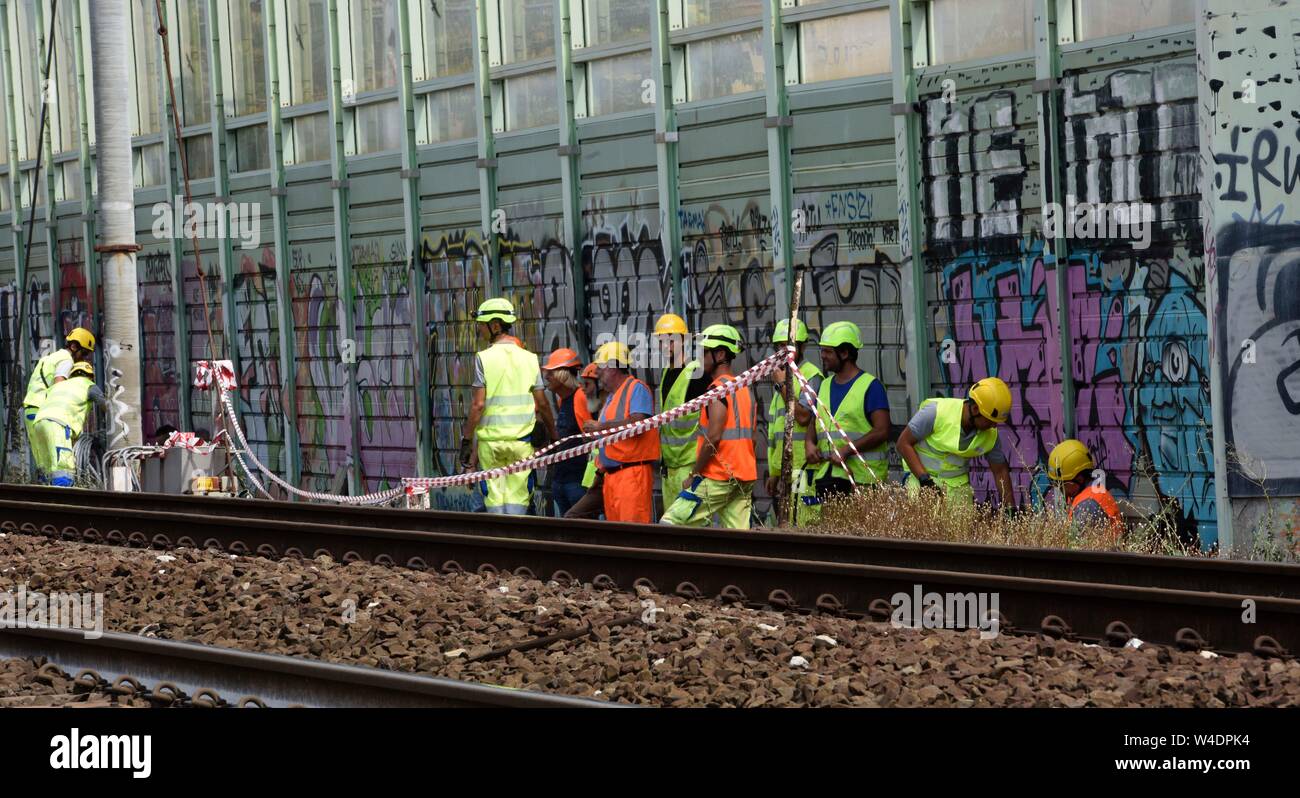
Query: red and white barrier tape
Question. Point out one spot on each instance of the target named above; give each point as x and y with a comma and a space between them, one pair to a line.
222, 374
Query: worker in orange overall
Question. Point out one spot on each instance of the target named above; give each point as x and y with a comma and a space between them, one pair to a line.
627, 466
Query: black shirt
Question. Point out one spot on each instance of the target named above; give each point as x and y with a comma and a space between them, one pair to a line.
566, 424
698, 386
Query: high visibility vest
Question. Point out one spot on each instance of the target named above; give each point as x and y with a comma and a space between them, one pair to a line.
941, 453
509, 375
1108, 505
852, 418
776, 421
638, 448
734, 458
677, 440
67, 403
42, 379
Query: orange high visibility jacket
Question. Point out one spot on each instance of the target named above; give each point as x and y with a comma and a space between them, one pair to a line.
639, 448
734, 458
1108, 505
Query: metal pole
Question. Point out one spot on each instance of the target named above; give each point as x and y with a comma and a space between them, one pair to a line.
110, 43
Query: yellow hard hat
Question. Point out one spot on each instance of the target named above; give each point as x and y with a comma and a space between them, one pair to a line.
83, 338
614, 353
82, 368
671, 324
1067, 460
992, 396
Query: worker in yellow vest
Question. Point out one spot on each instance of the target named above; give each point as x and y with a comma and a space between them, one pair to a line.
1071, 467
946, 434
722, 479
79, 347
777, 419
858, 403
60, 422
680, 382
508, 400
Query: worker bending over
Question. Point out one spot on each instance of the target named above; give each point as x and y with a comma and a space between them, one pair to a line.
858, 404
79, 347
1070, 466
777, 419
507, 402
680, 382
722, 479
628, 466
60, 422
946, 434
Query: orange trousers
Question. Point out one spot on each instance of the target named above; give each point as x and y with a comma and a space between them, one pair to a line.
629, 494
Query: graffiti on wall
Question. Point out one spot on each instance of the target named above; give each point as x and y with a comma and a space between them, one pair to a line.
1140, 359
160, 388
386, 380
257, 341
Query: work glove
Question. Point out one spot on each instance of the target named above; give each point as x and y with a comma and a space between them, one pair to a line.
466, 455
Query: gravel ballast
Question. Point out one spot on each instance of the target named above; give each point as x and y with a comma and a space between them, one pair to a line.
693, 653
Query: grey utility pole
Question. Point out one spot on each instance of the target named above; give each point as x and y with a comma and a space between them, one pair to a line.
110, 48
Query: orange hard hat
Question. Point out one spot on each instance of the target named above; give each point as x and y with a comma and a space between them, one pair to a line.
590, 372
562, 359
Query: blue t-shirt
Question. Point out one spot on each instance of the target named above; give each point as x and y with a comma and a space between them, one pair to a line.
876, 398
640, 402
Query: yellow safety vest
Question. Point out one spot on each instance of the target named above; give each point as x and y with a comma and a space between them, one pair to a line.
510, 373
67, 403
777, 420
677, 440
42, 379
852, 418
941, 453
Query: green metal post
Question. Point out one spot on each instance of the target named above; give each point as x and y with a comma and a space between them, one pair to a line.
487, 158
1051, 154
283, 264
411, 219
172, 145
778, 124
666, 149
907, 140
570, 165
342, 251
221, 196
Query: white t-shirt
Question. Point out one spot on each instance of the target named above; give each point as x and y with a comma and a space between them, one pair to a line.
63, 369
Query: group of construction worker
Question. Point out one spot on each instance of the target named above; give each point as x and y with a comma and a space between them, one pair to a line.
59, 394
706, 458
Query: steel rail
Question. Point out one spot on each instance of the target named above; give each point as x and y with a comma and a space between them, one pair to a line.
1276, 580
1092, 610
202, 675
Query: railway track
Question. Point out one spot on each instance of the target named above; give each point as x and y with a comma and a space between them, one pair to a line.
1081, 595
170, 673
119, 511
